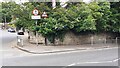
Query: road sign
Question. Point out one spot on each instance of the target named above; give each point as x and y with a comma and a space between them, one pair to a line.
35, 12
36, 17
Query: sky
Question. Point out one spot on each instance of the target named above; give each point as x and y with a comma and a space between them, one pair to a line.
86, 1
17, 1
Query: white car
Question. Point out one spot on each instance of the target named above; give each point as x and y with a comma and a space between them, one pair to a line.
11, 30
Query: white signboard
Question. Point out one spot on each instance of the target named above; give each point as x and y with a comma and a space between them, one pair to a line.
36, 17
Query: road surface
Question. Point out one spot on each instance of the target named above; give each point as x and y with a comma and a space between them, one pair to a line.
7, 41
7, 38
105, 57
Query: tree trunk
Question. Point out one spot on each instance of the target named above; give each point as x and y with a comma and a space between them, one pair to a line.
45, 41
54, 40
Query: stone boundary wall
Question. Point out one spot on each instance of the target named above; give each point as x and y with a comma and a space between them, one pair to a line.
40, 38
72, 39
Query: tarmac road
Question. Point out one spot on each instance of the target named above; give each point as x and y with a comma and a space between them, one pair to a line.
7, 39
103, 57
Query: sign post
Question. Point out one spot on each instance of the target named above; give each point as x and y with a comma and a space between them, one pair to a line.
36, 16
44, 15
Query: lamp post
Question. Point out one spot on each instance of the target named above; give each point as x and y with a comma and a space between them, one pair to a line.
44, 15
4, 26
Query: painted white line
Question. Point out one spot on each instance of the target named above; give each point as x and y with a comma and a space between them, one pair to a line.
73, 51
73, 64
78, 51
116, 60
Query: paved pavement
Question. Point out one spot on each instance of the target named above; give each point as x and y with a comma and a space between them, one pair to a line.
41, 48
7, 41
10, 46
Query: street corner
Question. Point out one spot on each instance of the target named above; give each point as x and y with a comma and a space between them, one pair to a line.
52, 49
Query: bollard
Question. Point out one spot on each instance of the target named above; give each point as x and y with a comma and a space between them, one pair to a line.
36, 38
19, 41
92, 41
105, 41
22, 41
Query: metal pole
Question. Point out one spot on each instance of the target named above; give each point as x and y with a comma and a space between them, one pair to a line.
22, 41
17, 40
92, 40
36, 35
116, 41
45, 38
5, 22
105, 41
45, 41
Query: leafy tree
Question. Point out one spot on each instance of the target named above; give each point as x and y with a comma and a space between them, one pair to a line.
114, 19
78, 17
102, 22
85, 20
54, 26
7, 9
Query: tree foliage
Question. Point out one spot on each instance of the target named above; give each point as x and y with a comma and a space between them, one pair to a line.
79, 17
7, 10
115, 17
